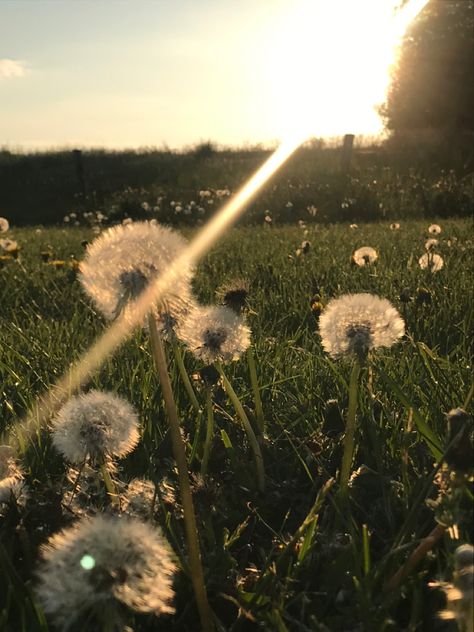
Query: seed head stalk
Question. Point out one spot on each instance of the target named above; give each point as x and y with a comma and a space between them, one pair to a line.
257, 453
185, 377
109, 484
197, 574
256, 392
350, 428
209, 431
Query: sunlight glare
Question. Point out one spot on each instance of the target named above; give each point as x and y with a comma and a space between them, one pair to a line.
329, 65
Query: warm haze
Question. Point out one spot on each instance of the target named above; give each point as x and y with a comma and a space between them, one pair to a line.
126, 74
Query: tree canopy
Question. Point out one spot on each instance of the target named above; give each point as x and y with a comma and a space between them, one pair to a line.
433, 83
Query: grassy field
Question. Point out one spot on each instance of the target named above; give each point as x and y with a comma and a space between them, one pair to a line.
273, 561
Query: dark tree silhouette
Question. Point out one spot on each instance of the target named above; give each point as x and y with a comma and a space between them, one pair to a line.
433, 84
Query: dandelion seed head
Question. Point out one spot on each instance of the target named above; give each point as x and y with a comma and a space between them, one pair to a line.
432, 261
357, 323
105, 560
395, 226
12, 484
121, 262
4, 225
234, 294
215, 333
8, 245
431, 243
364, 256
138, 498
353, 226
434, 229
96, 425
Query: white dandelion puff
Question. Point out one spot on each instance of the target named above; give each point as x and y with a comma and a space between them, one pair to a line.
353, 226
9, 245
215, 333
120, 264
365, 256
395, 226
434, 229
139, 498
95, 425
357, 323
4, 225
432, 261
104, 562
12, 484
431, 243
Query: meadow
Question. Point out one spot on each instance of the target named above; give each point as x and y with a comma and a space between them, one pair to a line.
295, 557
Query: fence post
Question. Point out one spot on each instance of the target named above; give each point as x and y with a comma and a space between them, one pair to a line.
346, 153
77, 155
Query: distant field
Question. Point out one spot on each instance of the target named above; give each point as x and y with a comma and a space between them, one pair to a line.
331, 577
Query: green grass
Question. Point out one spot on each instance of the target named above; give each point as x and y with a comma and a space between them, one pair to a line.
274, 561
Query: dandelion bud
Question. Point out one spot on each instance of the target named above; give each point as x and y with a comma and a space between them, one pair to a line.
405, 295
333, 421
460, 455
424, 296
209, 375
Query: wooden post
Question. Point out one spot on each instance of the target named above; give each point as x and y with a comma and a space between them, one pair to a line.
346, 153
77, 155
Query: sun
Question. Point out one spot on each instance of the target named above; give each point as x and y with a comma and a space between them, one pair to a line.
327, 64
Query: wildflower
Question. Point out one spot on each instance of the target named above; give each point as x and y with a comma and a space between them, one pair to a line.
434, 229
234, 295
12, 485
215, 334
95, 424
4, 225
121, 262
394, 226
432, 261
431, 243
305, 247
364, 256
9, 245
357, 323
102, 563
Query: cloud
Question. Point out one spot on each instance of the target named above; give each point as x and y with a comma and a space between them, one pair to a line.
12, 68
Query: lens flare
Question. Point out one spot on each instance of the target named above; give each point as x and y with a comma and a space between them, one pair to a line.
328, 65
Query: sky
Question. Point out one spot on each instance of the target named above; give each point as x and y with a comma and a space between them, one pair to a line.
142, 73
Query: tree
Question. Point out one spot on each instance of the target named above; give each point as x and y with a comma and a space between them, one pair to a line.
433, 84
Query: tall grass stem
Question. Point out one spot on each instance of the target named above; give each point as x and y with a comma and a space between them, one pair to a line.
209, 431
256, 392
350, 428
247, 427
185, 377
197, 574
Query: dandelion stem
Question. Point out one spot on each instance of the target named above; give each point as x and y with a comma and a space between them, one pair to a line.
256, 392
185, 377
109, 484
197, 574
209, 432
350, 428
247, 427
